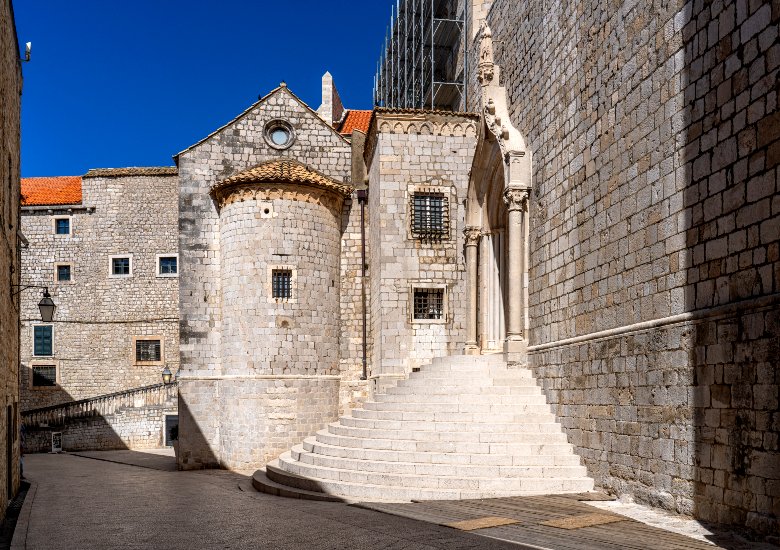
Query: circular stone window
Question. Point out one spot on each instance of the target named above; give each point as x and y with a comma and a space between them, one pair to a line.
279, 134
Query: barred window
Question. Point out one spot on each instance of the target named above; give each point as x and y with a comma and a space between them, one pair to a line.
281, 283
147, 350
428, 303
430, 216
44, 376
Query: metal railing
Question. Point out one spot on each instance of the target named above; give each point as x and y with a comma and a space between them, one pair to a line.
101, 405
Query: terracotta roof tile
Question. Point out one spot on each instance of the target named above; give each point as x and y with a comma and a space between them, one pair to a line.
355, 120
51, 191
283, 171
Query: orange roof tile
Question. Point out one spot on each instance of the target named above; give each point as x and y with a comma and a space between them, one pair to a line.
355, 120
283, 171
51, 191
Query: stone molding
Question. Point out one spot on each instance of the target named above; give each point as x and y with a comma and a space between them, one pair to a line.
726, 310
280, 191
418, 122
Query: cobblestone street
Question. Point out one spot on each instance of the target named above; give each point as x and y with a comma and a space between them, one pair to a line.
77, 502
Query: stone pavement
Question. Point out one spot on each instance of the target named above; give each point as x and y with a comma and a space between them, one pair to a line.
82, 503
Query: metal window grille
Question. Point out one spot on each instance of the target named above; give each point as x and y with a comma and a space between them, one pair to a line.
428, 303
169, 266
430, 216
120, 266
63, 273
147, 350
45, 375
62, 226
281, 283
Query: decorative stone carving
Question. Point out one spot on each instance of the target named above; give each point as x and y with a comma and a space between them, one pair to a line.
486, 70
472, 235
516, 199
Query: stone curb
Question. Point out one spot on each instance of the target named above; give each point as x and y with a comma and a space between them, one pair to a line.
19, 540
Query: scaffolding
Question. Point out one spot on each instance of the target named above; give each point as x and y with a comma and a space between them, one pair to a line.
422, 64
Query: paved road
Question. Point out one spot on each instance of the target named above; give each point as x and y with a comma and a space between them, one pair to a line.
81, 503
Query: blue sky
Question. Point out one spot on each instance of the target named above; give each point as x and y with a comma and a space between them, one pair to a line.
131, 83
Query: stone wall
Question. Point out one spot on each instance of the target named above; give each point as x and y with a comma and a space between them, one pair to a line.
10, 92
227, 438
654, 231
123, 212
408, 152
135, 420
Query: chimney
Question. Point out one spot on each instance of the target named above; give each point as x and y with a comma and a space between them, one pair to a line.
331, 110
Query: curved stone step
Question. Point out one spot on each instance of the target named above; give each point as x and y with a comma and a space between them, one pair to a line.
432, 416
498, 433
499, 395
300, 454
434, 481
483, 406
555, 454
550, 426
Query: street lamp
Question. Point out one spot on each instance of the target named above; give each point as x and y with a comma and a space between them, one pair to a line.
166, 375
46, 306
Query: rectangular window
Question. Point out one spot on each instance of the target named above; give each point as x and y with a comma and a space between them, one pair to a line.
63, 273
44, 376
147, 350
429, 216
281, 283
168, 265
62, 226
428, 303
120, 266
43, 337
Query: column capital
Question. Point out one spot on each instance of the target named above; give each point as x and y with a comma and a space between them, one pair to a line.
516, 198
472, 234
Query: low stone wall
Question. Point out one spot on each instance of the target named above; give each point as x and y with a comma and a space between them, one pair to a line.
142, 428
126, 420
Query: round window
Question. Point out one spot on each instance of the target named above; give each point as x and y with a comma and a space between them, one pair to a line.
279, 134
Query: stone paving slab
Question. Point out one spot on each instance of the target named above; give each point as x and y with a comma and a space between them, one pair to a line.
156, 459
96, 504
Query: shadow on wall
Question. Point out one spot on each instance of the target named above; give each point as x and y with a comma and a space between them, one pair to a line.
139, 418
196, 452
732, 221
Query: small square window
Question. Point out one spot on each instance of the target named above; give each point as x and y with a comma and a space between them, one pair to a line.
281, 283
62, 226
429, 216
43, 336
428, 303
120, 266
168, 265
147, 350
63, 273
44, 376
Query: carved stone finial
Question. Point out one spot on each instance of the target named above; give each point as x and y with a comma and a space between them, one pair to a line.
516, 199
472, 234
486, 69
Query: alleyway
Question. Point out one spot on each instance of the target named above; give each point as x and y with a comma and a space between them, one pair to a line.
86, 504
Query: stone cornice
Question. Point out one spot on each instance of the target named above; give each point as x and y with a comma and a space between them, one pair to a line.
418, 122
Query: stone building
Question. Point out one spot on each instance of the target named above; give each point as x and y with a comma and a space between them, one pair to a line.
10, 241
105, 245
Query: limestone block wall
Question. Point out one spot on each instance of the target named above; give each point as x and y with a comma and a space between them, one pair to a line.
123, 212
206, 440
263, 335
412, 152
10, 100
654, 232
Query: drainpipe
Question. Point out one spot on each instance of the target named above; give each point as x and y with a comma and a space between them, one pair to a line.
362, 195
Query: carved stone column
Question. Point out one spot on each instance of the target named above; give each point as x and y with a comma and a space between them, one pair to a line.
472, 241
484, 298
516, 200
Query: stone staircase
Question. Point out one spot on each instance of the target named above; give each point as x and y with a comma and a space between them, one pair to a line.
462, 427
